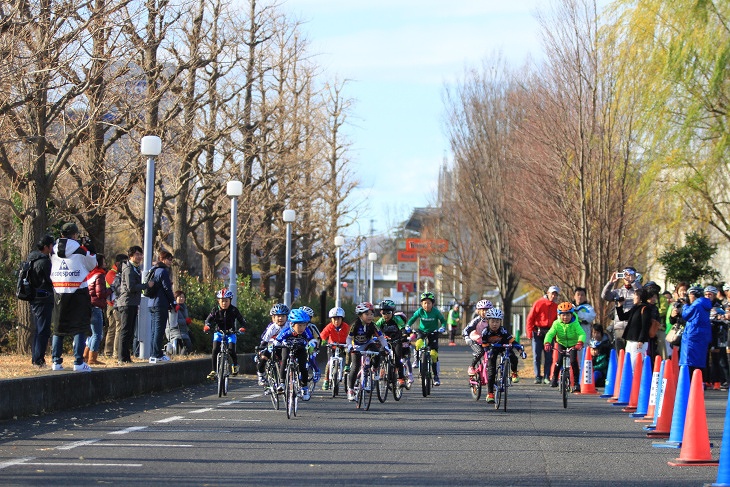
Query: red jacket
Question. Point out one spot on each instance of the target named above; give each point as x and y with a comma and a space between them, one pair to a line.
98, 292
542, 315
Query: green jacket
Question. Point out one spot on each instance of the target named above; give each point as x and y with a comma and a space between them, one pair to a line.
566, 334
430, 322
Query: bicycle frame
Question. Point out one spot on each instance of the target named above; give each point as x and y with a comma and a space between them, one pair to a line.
565, 373
336, 363
365, 379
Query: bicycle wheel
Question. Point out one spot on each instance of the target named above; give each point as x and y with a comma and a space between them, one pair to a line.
475, 382
334, 377
505, 383
272, 380
381, 385
425, 373
393, 379
221, 373
498, 387
565, 386
359, 388
368, 389
290, 392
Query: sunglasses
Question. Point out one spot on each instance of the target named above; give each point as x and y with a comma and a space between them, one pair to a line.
386, 312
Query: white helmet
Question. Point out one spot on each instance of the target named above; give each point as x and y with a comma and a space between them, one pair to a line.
337, 312
495, 313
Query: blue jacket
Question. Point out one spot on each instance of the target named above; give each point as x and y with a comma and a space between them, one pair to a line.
287, 333
697, 333
164, 299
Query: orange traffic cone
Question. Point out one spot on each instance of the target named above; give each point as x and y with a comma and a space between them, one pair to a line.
587, 385
654, 392
695, 439
619, 373
666, 407
635, 385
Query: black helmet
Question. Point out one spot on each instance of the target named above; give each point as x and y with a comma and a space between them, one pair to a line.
428, 295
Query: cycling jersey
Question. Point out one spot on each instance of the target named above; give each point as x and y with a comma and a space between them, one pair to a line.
501, 335
333, 335
430, 321
360, 333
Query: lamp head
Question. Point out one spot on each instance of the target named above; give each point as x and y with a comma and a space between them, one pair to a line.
151, 145
289, 216
234, 189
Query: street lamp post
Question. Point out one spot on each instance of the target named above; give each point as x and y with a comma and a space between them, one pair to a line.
150, 146
289, 216
372, 257
234, 189
339, 242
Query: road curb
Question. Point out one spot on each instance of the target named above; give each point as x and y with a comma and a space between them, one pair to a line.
58, 391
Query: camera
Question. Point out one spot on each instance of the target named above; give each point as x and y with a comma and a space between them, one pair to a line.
619, 299
620, 275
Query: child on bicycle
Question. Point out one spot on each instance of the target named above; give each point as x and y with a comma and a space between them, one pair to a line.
336, 331
294, 338
224, 319
496, 334
568, 333
428, 328
406, 346
478, 324
363, 336
393, 327
279, 313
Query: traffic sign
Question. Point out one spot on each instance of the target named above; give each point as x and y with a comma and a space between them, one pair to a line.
427, 245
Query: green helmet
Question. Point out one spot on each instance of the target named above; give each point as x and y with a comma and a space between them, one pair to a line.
428, 295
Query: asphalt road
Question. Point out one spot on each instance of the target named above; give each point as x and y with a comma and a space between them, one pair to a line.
191, 437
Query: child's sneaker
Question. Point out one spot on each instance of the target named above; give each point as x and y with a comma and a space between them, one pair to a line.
401, 382
490, 397
305, 393
262, 380
326, 385
472, 370
212, 375
436, 381
234, 370
350, 394
515, 377
280, 388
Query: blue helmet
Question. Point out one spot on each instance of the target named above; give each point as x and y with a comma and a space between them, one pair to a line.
299, 316
279, 309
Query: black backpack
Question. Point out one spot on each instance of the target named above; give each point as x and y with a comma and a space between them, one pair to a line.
151, 292
25, 290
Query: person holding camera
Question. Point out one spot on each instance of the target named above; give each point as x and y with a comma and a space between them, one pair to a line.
71, 262
626, 290
675, 315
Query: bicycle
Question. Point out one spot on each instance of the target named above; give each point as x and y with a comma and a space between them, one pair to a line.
425, 367
502, 378
564, 375
479, 378
337, 367
292, 387
389, 376
364, 381
223, 364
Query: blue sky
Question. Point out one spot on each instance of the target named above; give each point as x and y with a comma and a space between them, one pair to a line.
398, 56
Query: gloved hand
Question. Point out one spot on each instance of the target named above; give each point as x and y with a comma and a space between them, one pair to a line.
242, 330
579, 346
188, 320
442, 330
313, 344
523, 354
408, 329
177, 307
206, 329
547, 347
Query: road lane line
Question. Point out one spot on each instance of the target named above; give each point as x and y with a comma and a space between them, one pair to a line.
75, 444
203, 410
170, 419
128, 430
232, 420
153, 445
17, 461
82, 464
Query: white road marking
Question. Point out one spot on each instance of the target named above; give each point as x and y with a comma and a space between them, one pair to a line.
82, 464
170, 419
75, 444
128, 430
153, 445
233, 420
203, 410
17, 461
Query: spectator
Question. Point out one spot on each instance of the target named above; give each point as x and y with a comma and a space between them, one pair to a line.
179, 323
130, 295
42, 305
625, 291
600, 349
638, 321
453, 320
98, 293
70, 264
541, 317
675, 315
584, 310
160, 305
718, 373
697, 331
112, 313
